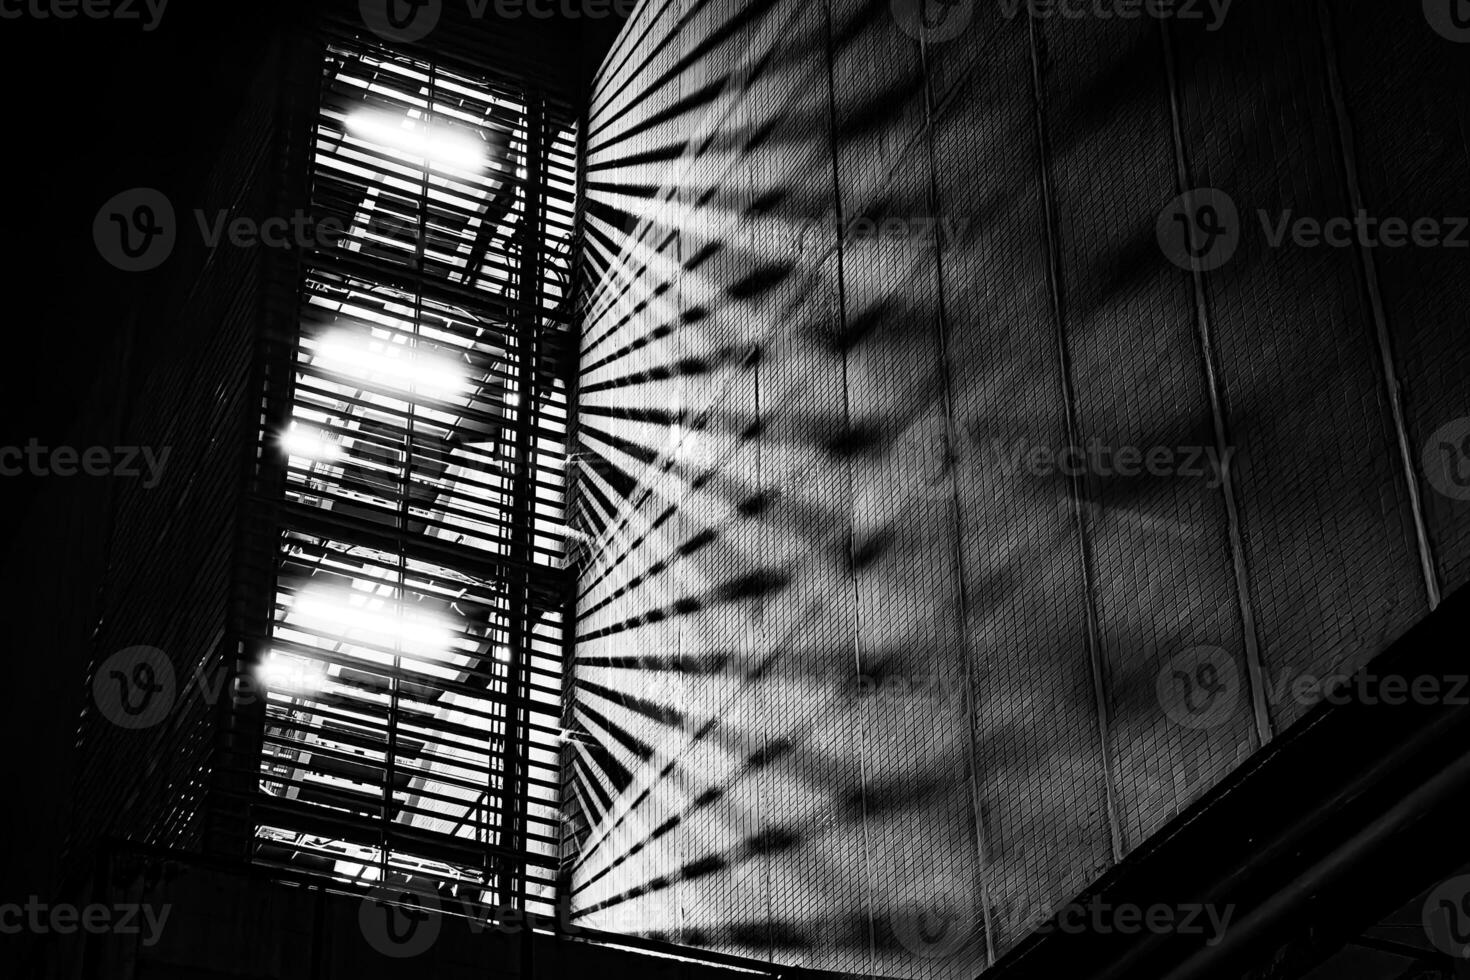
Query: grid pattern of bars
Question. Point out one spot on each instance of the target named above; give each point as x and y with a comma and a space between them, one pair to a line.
412, 671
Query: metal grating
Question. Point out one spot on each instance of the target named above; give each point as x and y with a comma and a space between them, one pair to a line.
413, 662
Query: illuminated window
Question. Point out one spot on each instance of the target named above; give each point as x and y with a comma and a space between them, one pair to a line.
414, 659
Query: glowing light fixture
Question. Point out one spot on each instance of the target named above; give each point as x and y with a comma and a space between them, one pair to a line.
306, 442
284, 674
444, 149
379, 362
352, 615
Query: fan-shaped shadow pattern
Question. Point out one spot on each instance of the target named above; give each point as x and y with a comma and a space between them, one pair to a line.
846, 667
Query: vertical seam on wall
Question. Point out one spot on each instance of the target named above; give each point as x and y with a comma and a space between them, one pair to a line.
1219, 416
1069, 402
572, 495
765, 646
679, 844
838, 224
763, 633
956, 512
1369, 269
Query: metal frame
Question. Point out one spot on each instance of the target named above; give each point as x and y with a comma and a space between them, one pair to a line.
416, 429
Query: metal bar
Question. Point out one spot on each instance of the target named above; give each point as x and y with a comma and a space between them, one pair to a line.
513, 802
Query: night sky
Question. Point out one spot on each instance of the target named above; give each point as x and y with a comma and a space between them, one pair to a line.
94, 107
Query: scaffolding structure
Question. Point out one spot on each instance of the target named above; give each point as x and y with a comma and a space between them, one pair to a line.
412, 485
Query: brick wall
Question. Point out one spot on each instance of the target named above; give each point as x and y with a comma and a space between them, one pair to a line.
858, 689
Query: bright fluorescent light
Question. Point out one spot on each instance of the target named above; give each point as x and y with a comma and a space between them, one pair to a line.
285, 674
309, 443
444, 149
371, 619
357, 355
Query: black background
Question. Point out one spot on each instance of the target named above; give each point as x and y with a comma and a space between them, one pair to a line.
92, 108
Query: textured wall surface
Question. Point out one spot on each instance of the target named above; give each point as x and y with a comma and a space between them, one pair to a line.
860, 689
